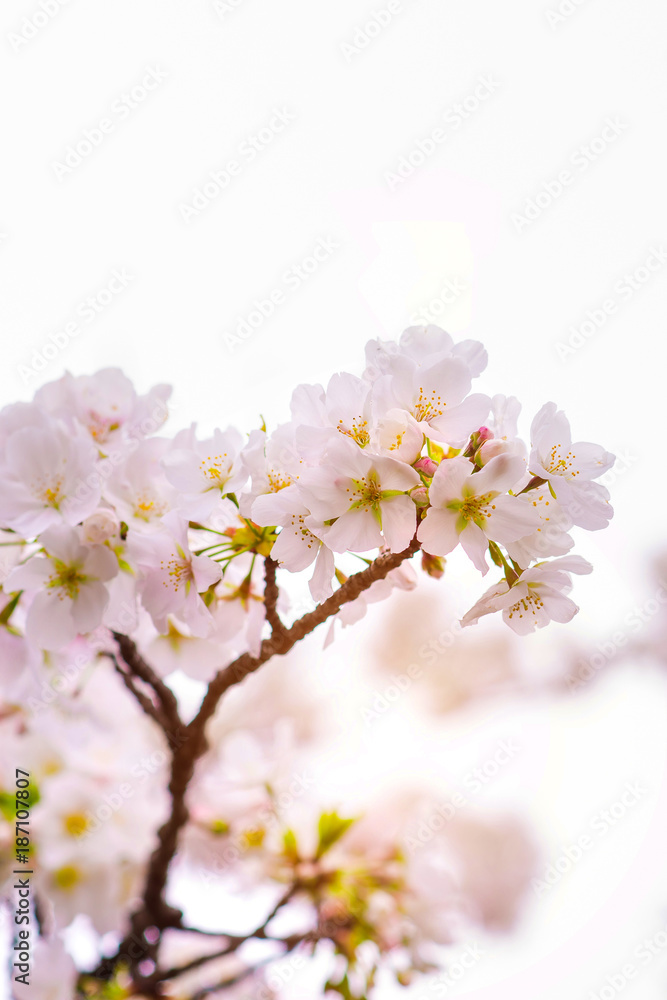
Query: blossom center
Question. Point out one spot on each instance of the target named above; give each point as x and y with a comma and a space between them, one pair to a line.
66, 877
475, 509
68, 579
75, 824
178, 573
216, 469
428, 405
358, 430
560, 465
278, 480
101, 427
147, 506
49, 492
299, 528
367, 493
530, 604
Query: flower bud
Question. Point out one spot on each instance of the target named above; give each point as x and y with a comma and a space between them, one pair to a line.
420, 496
426, 466
101, 525
433, 565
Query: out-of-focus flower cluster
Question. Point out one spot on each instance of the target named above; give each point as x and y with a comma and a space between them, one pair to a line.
106, 526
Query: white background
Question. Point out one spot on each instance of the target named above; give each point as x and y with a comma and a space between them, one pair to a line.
358, 104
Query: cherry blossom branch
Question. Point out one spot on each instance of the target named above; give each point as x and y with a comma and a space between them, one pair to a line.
149, 706
235, 941
169, 716
271, 594
155, 911
291, 943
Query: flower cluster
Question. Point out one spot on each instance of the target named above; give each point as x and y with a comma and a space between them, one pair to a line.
104, 516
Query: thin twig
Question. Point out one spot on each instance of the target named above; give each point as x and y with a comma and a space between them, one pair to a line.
141, 669
291, 943
149, 707
271, 594
235, 941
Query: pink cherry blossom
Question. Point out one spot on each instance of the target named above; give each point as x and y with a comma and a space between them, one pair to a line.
470, 507
537, 597
569, 468
296, 547
367, 497
172, 578
68, 587
204, 471
48, 477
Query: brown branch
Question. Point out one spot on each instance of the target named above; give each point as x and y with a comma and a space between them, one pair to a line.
290, 942
235, 941
149, 707
279, 645
187, 751
271, 594
138, 666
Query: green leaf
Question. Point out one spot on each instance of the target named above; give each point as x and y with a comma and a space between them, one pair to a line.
330, 828
8, 609
8, 802
290, 848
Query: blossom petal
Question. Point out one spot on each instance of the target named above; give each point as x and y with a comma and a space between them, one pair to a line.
437, 532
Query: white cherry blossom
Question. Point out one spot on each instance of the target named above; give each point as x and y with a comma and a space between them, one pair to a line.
569, 468
296, 547
68, 587
471, 507
49, 477
537, 597
367, 497
436, 396
107, 406
172, 578
204, 471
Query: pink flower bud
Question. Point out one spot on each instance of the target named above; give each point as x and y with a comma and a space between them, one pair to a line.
484, 434
420, 496
427, 466
433, 565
